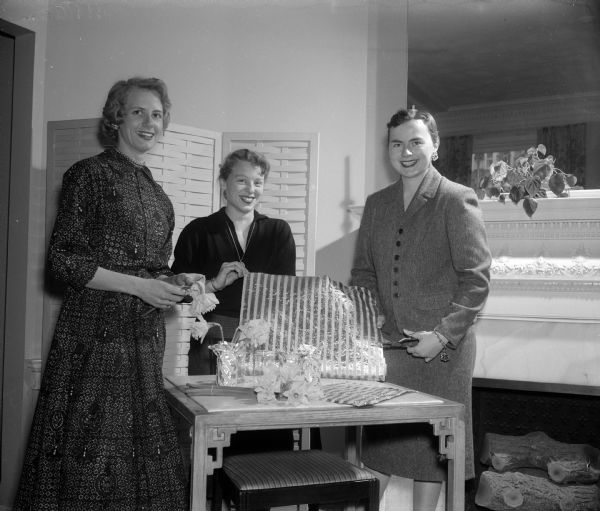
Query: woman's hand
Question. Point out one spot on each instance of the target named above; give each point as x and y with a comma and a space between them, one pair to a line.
183, 279
429, 345
228, 274
159, 293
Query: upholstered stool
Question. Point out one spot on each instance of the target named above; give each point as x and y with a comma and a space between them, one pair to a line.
283, 478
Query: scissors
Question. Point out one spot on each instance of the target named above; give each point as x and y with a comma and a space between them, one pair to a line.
402, 343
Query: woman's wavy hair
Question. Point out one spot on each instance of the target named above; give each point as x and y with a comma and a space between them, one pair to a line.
112, 113
252, 157
402, 116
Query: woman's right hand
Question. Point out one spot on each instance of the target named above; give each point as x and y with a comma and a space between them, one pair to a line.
159, 293
228, 273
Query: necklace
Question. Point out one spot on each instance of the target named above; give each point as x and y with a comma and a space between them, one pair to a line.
130, 159
235, 243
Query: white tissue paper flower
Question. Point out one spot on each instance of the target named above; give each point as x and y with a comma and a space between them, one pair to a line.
202, 302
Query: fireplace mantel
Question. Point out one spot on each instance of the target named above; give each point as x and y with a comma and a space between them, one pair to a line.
542, 319
541, 322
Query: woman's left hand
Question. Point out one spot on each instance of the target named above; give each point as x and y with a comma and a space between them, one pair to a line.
429, 345
184, 279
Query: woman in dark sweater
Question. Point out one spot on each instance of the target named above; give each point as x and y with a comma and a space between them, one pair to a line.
227, 244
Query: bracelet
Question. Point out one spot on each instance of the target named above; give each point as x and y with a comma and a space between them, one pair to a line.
212, 283
444, 357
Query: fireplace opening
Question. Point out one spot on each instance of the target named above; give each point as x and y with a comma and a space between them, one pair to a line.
566, 413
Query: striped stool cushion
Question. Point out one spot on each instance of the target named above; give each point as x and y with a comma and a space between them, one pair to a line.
288, 469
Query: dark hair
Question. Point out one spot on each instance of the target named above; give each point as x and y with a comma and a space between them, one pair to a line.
112, 113
252, 157
402, 116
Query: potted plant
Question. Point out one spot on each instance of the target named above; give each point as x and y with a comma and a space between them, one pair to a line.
531, 177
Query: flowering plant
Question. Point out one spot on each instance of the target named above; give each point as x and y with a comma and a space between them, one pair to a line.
296, 378
202, 302
532, 175
255, 332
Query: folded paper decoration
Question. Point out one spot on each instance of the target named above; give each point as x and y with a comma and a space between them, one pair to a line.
355, 394
341, 320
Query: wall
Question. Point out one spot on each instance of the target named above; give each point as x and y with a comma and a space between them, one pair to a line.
286, 67
294, 65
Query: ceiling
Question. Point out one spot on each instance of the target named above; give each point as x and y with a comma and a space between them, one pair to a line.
465, 52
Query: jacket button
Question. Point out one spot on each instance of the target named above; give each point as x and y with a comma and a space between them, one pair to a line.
398, 243
400, 231
395, 269
396, 257
396, 295
395, 282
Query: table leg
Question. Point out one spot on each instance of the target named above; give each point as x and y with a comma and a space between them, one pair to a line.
203, 464
199, 464
352, 444
456, 467
451, 432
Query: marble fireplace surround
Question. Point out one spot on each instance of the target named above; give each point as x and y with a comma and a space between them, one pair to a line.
540, 328
541, 323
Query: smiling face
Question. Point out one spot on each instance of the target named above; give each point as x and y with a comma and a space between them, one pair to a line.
243, 188
410, 148
141, 123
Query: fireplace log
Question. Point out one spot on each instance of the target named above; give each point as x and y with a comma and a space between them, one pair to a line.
565, 463
512, 490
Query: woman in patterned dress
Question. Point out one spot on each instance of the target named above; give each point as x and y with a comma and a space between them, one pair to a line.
102, 436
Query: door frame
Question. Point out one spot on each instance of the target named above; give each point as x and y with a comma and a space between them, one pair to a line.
14, 431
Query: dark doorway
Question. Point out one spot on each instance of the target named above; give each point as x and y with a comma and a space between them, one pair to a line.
17, 47
7, 53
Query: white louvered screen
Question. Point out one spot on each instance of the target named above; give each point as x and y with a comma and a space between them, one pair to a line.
290, 192
184, 162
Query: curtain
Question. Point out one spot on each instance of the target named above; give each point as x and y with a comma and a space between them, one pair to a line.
455, 155
567, 145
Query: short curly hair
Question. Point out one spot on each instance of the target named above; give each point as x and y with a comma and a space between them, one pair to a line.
112, 113
252, 157
403, 115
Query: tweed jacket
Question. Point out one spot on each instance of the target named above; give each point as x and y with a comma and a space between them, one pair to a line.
428, 266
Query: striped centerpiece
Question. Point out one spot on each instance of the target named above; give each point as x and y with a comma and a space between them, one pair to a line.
341, 320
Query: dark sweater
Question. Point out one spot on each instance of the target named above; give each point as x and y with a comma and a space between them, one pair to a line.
206, 243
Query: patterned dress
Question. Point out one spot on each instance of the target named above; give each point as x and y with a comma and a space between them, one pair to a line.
102, 436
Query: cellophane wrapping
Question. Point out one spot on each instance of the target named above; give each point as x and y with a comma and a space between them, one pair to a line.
340, 320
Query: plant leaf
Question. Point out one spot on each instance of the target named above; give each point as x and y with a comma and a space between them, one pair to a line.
571, 179
516, 193
532, 185
494, 191
530, 205
557, 183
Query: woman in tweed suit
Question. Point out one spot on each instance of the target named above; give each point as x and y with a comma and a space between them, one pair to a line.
422, 251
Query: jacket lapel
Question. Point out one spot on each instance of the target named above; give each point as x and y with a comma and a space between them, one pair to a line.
426, 191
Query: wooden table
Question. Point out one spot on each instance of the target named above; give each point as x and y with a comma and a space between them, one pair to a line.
213, 419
